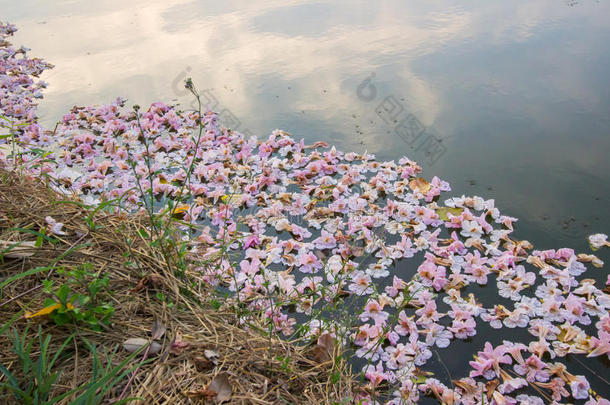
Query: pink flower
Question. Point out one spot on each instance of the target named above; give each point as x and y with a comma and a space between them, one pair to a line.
427, 313
603, 324
251, 241
286, 283
579, 387
574, 306
478, 273
556, 385
598, 401
398, 285
458, 313
406, 326
598, 240
365, 333
500, 399
309, 263
396, 357
533, 369
601, 344
471, 229
250, 267
497, 356
375, 374
431, 274
373, 310
325, 241
510, 383
482, 367
437, 334
361, 283
463, 329
299, 232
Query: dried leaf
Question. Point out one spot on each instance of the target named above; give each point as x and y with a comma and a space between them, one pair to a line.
158, 330
420, 184
323, 351
24, 249
140, 286
134, 344
222, 386
594, 260
206, 393
154, 348
467, 387
211, 355
150, 280
284, 197
202, 363
491, 386
320, 354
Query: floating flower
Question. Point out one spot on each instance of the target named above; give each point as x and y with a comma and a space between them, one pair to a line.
598, 240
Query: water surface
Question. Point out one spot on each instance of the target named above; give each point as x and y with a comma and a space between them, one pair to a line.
517, 94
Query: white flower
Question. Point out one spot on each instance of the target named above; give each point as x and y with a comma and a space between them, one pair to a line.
471, 229
377, 270
598, 240
90, 200
505, 290
54, 226
394, 227
478, 203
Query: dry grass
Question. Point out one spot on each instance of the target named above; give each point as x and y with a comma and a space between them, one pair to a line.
252, 362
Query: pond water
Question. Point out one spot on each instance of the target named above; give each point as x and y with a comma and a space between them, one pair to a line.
511, 100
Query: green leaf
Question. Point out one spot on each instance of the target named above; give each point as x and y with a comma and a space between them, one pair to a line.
62, 294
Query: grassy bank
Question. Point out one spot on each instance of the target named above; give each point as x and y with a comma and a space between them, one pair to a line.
79, 284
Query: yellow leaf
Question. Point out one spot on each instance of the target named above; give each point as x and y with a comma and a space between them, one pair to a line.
180, 210
443, 212
46, 310
420, 184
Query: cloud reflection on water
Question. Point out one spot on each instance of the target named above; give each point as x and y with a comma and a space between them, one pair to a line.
514, 89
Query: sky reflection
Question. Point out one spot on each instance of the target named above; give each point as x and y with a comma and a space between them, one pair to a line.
517, 91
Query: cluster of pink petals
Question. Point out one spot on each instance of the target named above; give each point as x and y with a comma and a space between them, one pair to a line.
293, 227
